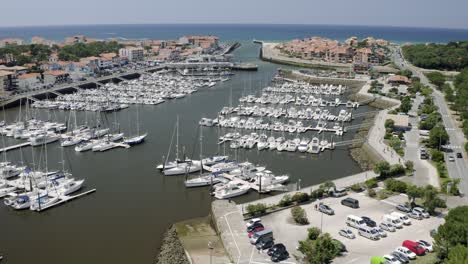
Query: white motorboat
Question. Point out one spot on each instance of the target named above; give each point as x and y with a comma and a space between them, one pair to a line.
67, 187
5, 191
314, 146
303, 145
231, 190
204, 180
85, 146
40, 140
213, 160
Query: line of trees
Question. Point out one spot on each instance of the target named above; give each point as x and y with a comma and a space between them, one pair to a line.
80, 50
450, 56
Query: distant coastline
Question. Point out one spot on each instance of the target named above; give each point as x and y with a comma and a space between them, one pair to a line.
247, 32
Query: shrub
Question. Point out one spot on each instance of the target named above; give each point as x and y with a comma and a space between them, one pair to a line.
409, 166
389, 123
454, 190
357, 187
441, 169
371, 192
285, 201
317, 194
384, 194
256, 209
299, 215
313, 233
396, 169
300, 197
371, 183
395, 185
437, 155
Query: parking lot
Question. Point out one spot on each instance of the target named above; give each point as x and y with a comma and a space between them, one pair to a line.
360, 249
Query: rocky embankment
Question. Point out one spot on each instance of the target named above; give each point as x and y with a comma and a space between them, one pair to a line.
172, 251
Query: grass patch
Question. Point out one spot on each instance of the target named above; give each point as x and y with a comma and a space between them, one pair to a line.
430, 258
384, 194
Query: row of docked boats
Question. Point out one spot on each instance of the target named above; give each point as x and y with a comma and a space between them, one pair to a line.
301, 87
288, 112
23, 188
292, 126
263, 142
149, 89
296, 99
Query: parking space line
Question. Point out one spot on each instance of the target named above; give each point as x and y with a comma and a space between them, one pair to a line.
232, 234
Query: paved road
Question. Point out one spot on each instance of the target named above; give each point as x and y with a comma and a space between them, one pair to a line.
459, 167
424, 172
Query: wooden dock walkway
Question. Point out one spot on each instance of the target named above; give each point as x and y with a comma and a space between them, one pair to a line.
66, 198
25, 144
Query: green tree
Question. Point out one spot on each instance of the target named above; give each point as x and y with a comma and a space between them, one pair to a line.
438, 137
256, 209
395, 185
299, 215
320, 251
432, 199
409, 166
313, 233
328, 186
382, 168
389, 123
458, 255
453, 232
437, 78
437, 155
413, 192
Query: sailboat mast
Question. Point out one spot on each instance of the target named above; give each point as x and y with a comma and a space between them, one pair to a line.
177, 139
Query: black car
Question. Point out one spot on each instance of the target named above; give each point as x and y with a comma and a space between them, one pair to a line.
279, 256
400, 257
252, 227
264, 244
369, 222
459, 155
276, 248
404, 208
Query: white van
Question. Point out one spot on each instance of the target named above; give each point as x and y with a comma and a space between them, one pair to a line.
369, 233
393, 220
355, 221
403, 218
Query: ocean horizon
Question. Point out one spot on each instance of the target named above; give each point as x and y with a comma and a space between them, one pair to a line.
240, 32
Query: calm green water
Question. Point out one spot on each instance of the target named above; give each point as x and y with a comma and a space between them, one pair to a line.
123, 222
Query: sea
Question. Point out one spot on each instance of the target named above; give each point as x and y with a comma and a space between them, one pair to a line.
124, 221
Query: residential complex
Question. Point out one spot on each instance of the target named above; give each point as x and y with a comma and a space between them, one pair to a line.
368, 51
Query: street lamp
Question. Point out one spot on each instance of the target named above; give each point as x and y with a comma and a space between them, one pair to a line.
210, 247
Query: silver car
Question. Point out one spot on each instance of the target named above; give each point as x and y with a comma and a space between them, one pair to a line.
421, 211
381, 232
387, 227
346, 232
326, 209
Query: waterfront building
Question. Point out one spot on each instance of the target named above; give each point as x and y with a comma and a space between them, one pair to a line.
132, 53
29, 80
6, 81
55, 77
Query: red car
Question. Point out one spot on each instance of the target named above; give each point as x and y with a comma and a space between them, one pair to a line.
414, 247
257, 229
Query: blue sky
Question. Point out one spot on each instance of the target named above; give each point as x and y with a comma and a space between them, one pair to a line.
411, 13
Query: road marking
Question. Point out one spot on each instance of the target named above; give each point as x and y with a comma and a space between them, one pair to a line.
230, 230
353, 260
388, 202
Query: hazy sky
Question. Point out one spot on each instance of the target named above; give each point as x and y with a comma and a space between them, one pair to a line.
417, 13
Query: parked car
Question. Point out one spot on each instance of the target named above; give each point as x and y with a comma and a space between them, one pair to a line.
279, 256
346, 232
415, 215
253, 226
325, 209
408, 253
350, 202
251, 233
459, 155
451, 158
381, 232
387, 227
400, 256
369, 222
391, 259
421, 211
265, 244
416, 248
276, 248
253, 221
338, 192
403, 218
426, 245
403, 208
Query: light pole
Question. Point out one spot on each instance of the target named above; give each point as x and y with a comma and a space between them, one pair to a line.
210, 247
